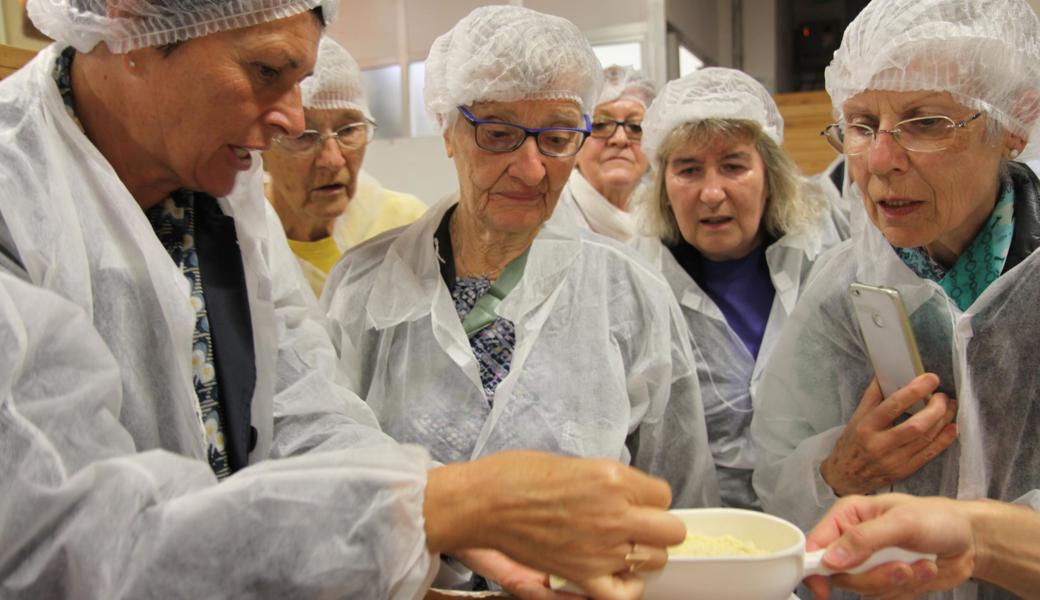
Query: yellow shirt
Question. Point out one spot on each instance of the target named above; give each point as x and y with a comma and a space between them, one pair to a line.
321, 254
373, 210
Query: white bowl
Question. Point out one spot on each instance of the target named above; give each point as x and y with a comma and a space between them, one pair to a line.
772, 576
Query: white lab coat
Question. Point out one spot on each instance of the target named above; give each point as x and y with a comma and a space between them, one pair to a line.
601, 366
582, 206
153, 521
819, 370
728, 374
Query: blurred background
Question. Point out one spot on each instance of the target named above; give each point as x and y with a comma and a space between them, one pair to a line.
785, 44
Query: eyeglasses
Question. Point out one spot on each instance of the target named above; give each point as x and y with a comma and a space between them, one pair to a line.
349, 137
920, 134
497, 136
605, 128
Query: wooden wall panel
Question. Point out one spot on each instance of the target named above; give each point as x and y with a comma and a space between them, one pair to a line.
11, 59
805, 115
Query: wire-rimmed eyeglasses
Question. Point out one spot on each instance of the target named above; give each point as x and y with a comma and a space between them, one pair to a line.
499, 136
604, 128
920, 134
349, 137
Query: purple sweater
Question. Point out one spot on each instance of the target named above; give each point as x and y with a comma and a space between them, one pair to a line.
741, 288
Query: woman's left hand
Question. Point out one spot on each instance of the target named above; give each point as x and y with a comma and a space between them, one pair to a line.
523, 582
876, 450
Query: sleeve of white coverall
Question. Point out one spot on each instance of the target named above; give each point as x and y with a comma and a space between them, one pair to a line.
83, 514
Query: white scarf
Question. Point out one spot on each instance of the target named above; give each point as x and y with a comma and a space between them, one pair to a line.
603, 217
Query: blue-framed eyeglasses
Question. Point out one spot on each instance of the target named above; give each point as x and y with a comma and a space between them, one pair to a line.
497, 136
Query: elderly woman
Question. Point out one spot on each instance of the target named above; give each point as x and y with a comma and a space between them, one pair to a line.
149, 354
739, 230
937, 98
325, 202
476, 329
611, 163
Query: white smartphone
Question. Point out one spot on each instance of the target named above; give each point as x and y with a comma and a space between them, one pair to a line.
890, 340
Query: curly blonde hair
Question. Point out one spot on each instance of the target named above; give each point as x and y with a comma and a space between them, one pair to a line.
790, 206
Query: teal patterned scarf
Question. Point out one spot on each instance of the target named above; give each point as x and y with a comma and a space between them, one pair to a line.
981, 263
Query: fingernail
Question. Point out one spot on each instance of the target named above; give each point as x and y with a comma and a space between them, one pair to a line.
926, 574
836, 556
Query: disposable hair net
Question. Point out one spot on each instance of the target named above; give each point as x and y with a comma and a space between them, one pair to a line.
711, 93
627, 83
985, 53
506, 54
336, 82
126, 25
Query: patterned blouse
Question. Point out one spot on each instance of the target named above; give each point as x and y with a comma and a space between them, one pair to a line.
493, 345
173, 220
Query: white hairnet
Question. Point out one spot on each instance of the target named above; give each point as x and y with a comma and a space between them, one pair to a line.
336, 82
983, 52
509, 53
626, 82
710, 93
126, 25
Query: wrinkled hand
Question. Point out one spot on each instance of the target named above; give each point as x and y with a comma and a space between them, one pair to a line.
576, 518
857, 526
872, 452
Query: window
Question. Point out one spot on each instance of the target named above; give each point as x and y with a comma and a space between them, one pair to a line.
688, 61
628, 54
383, 87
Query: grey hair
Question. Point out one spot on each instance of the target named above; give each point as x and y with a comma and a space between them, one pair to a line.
790, 206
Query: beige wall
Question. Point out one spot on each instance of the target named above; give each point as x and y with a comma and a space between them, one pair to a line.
11, 23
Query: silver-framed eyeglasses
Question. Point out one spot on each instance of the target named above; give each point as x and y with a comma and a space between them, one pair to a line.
604, 128
349, 137
920, 134
499, 136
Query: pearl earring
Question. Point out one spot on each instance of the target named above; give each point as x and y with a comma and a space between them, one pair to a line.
133, 65
1014, 153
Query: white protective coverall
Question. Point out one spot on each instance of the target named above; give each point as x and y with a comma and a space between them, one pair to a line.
107, 491
582, 206
727, 372
819, 370
601, 366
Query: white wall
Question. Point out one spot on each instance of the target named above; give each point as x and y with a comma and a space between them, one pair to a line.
368, 30
699, 25
590, 15
415, 165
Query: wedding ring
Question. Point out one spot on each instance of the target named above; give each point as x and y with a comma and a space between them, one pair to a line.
636, 559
